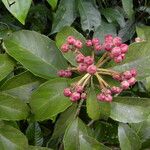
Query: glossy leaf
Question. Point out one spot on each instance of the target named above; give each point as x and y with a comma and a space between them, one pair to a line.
48, 100
79, 138
53, 3
104, 29
18, 9
36, 52
128, 7
61, 39
128, 139
130, 109
89, 14
12, 108
65, 15
34, 134
11, 138
22, 85
6, 65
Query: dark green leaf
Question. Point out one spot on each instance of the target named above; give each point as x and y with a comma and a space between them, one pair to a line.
12, 108
22, 85
65, 15
48, 100
6, 66
128, 139
12, 139
36, 52
89, 14
18, 9
130, 110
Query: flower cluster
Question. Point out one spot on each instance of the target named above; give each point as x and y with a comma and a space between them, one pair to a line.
114, 50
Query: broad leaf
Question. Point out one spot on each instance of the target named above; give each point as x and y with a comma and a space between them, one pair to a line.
53, 3
80, 140
143, 32
65, 15
89, 14
38, 148
36, 52
6, 65
18, 9
61, 39
128, 139
34, 134
104, 29
128, 7
22, 85
12, 139
129, 109
48, 100
12, 108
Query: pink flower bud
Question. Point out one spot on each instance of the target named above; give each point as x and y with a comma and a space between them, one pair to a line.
117, 77
123, 56
67, 92
82, 67
88, 60
108, 98
97, 47
116, 51
116, 90
78, 44
133, 72
127, 74
65, 48
132, 81
68, 73
118, 59
61, 73
106, 91
89, 43
75, 96
107, 46
79, 89
124, 48
71, 40
95, 41
83, 96
101, 97
117, 41
108, 38
125, 84
92, 69
80, 58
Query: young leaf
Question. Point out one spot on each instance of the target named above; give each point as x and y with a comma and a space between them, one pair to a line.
53, 3
129, 109
36, 52
22, 85
12, 139
61, 39
65, 15
12, 108
128, 139
6, 66
34, 134
48, 100
18, 9
128, 7
89, 14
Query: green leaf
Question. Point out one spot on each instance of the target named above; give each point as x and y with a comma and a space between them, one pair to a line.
65, 15
89, 14
143, 32
61, 39
6, 66
64, 120
48, 100
38, 148
79, 138
92, 105
22, 85
36, 52
128, 139
34, 134
104, 29
137, 57
128, 7
18, 9
113, 15
53, 3
12, 139
12, 108
129, 109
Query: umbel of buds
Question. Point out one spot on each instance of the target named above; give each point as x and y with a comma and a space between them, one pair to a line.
90, 68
